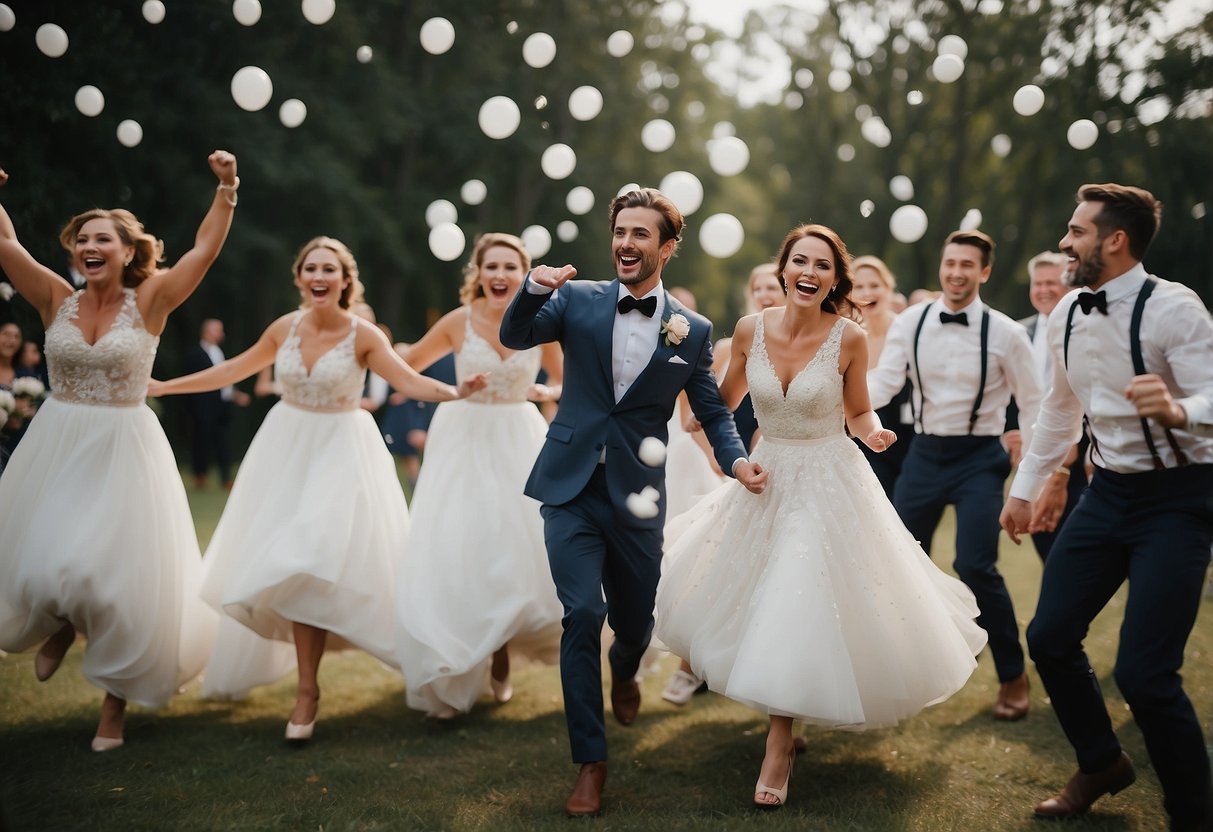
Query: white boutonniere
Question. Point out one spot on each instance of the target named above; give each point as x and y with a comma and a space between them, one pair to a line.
675, 328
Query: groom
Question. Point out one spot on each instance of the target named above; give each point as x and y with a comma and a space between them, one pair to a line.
629, 350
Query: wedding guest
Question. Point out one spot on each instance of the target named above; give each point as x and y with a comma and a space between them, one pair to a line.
868, 630
965, 361
315, 525
1133, 359
475, 591
31, 363
211, 412
95, 531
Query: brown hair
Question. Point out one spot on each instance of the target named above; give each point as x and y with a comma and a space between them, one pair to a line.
672, 222
351, 294
869, 261
1132, 210
148, 250
977, 239
838, 300
471, 288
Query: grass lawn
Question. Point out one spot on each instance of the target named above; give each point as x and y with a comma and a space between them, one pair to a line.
374, 764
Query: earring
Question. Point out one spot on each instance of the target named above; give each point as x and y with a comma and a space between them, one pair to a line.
127, 262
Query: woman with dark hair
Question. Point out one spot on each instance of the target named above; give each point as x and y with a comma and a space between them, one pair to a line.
309, 540
120, 563
811, 601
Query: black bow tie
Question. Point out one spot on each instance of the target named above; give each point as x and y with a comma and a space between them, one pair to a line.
645, 306
1093, 300
959, 318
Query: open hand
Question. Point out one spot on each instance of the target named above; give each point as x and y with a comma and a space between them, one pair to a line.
224, 166
472, 383
543, 393
752, 475
552, 277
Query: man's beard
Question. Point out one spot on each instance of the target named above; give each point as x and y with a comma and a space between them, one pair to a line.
647, 267
1088, 270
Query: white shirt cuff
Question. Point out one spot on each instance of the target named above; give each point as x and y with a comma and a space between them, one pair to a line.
736, 462
534, 288
1027, 486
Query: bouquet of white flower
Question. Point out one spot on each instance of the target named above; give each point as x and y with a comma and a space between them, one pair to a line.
29, 387
7, 405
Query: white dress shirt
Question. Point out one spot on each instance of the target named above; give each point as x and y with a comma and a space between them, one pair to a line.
1176, 344
634, 339
1041, 359
950, 368
216, 356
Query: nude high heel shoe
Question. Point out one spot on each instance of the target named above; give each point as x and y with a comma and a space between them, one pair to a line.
781, 794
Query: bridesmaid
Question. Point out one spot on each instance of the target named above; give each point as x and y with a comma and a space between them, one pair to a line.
95, 531
309, 541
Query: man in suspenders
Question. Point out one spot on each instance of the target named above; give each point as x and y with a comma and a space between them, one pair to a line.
965, 361
1134, 360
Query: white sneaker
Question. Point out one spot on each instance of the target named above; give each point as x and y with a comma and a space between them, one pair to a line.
681, 687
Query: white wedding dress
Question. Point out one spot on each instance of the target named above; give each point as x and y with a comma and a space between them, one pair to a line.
811, 600
94, 525
476, 576
314, 529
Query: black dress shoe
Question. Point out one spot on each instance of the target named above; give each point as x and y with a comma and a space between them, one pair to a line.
1085, 789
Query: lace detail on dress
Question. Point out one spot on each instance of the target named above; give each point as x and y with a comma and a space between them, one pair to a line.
509, 378
113, 371
812, 408
336, 381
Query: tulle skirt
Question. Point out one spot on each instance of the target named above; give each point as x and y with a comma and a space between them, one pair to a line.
95, 530
811, 600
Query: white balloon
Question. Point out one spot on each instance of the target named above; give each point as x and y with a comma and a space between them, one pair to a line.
153, 11
651, 451
585, 103
558, 161
846, 152
567, 231
908, 223
876, 131
953, 45
246, 12
319, 12
580, 200
7, 19
446, 241
971, 220
437, 35
632, 186
538, 50
1001, 145
89, 100
292, 112
901, 187
657, 135
650, 493
499, 117
252, 88
473, 192
130, 133
684, 190
642, 507
721, 235
839, 80
866, 208
1028, 100
1082, 134
728, 155
537, 240
947, 68
620, 43
51, 40
441, 212
364, 54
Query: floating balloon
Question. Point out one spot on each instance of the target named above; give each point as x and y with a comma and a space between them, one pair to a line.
876, 131
1082, 134
441, 212
641, 506
437, 35
153, 11
51, 40
1028, 100
538, 50
252, 88
90, 101
846, 152
657, 135
580, 200
684, 190
908, 223
246, 12
839, 80
446, 241
721, 235
632, 186
473, 192
651, 452
537, 241
585, 103
1001, 145
567, 231
901, 187
319, 12
947, 68
971, 220
728, 155
620, 43
130, 133
292, 112
953, 45
364, 54
558, 161
866, 208
499, 117
7, 19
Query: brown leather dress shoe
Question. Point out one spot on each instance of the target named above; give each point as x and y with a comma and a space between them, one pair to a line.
1085, 789
1013, 699
625, 699
586, 797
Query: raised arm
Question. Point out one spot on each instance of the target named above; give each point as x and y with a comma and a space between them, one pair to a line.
44, 289
530, 319
375, 351
257, 357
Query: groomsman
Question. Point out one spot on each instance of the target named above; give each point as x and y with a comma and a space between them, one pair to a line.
964, 361
211, 413
1134, 359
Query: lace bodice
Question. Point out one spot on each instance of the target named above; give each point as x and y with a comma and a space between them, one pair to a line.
508, 378
336, 381
113, 371
812, 408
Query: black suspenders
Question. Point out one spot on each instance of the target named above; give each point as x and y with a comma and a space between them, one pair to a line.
981, 387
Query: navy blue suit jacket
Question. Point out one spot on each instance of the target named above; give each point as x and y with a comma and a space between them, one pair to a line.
581, 316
